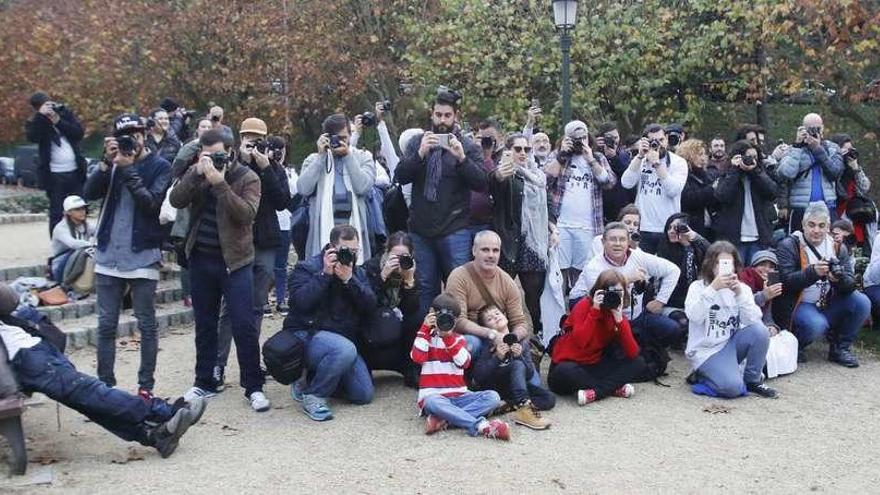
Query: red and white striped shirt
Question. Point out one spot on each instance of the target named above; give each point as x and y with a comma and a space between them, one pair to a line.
443, 361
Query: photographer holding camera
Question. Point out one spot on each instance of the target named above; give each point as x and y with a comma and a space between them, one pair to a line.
443, 168
222, 195
444, 397
576, 178
675, 135
608, 143
745, 195
336, 181
820, 296
331, 301
132, 181
581, 362
812, 165
684, 247
61, 167
179, 118
641, 270
160, 137
660, 176
852, 193
388, 338
725, 330
256, 154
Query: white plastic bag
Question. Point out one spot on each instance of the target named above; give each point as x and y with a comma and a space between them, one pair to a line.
167, 213
553, 306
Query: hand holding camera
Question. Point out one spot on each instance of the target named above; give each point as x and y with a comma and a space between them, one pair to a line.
343, 272
211, 173
822, 268
506, 167
456, 148
260, 153
110, 150
644, 147
50, 109
358, 123
444, 321
429, 142
533, 114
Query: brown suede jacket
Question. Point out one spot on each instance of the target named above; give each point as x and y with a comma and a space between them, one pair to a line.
237, 200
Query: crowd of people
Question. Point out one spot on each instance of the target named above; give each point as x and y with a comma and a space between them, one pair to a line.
738, 255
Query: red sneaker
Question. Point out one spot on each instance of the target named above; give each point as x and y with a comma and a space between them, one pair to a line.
145, 394
187, 302
434, 424
496, 429
586, 396
625, 392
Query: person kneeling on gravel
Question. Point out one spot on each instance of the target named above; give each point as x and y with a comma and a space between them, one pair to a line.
40, 367
508, 368
443, 395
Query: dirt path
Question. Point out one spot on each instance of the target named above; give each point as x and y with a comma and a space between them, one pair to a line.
24, 244
822, 435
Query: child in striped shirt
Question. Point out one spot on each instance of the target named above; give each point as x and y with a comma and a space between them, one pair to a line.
443, 395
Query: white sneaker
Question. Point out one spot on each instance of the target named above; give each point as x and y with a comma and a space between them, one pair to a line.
259, 402
197, 392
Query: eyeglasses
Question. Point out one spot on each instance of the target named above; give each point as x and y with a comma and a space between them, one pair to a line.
520, 149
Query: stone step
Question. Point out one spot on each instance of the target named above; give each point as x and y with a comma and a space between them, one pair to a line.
167, 292
8, 218
84, 331
9, 274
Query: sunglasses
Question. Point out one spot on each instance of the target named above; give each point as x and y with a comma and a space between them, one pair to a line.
520, 149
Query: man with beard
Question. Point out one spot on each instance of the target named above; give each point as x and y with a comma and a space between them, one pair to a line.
443, 169
718, 158
660, 176
608, 143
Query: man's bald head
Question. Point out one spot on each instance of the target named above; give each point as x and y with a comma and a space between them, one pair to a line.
486, 236
812, 120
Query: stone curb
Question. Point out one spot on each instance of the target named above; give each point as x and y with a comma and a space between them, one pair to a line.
10, 218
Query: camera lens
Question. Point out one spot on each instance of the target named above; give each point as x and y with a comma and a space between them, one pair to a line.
405, 261
368, 119
611, 300
345, 256
487, 142
445, 321
510, 339
635, 237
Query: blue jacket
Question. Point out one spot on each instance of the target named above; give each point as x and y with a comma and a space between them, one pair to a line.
147, 180
322, 302
796, 167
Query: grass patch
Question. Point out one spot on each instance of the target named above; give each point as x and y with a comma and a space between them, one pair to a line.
36, 202
870, 340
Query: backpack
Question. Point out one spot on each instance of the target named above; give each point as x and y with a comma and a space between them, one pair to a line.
79, 272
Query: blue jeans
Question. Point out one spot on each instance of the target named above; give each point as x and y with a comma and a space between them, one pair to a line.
843, 317
58, 264
465, 411
658, 328
210, 283
263, 273
44, 369
435, 259
335, 368
873, 293
516, 382
281, 257
747, 250
721, 370
111, 291
650, 241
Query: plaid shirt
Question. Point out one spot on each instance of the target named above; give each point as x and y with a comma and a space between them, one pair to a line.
556, 189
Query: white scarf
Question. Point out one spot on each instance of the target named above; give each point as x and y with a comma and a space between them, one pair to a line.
326, 205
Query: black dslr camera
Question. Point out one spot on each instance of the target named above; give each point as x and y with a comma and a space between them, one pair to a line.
445, 320
654, 144
335, 142
635, 237
682, 227
852, 154
126, 144
487, 143
260, 145
59, 107
577, 145
219, 159
612, 299
814, 131
345, 256
387, 106
405, 261
368, 119
836, 268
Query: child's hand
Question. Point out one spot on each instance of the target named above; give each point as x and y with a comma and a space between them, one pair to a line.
430, 319
516, 350
501, 350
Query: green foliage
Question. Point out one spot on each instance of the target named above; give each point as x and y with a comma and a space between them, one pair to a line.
35, 202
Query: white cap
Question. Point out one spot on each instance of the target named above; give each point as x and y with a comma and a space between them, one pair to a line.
73, 202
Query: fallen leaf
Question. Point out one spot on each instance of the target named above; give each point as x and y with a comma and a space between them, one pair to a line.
717, 409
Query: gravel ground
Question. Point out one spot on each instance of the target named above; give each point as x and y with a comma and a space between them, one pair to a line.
24, 244
821, 435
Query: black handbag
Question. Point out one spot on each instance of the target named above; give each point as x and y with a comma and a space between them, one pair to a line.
385, 329
395, 210
299, 225
284, 355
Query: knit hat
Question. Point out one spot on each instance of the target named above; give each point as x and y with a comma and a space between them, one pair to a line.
253, 126
169, 105
37, 99
8, 299
762, 256
573, 126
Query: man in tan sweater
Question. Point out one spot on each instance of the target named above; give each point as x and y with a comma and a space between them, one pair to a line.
502, 288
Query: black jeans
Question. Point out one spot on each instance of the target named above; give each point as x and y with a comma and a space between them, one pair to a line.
44, 369
604, 377
61, 185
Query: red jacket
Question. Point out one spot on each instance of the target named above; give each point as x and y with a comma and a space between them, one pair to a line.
588, 332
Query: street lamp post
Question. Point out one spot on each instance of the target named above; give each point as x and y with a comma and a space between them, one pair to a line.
565, 16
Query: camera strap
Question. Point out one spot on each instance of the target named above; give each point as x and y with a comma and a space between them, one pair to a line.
815, 251
488, 300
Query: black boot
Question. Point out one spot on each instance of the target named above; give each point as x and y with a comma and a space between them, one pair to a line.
843, 356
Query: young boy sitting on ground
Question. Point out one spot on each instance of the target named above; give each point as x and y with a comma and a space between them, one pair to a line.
508, 368
443, 395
